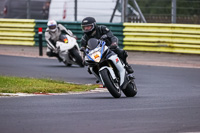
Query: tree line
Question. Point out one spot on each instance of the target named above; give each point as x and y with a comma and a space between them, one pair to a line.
163, 7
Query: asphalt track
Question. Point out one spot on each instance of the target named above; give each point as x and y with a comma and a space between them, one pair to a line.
168, 101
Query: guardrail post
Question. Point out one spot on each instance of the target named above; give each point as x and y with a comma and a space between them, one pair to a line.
40, 41
28, 10
173, 16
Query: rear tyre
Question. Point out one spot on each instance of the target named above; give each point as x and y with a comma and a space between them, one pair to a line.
112, 87
78, 59
67, 64
131, 90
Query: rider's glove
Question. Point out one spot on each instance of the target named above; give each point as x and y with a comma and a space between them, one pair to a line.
56, 50
82, 49
113, 45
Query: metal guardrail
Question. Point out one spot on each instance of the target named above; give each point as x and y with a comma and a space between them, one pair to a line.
25, 31
174, 38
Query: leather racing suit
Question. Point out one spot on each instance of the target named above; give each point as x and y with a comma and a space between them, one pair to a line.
101, 31
53, 37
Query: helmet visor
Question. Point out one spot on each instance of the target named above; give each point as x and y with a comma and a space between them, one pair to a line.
52, 27
87, 28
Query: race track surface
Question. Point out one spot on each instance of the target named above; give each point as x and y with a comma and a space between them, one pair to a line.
168, 101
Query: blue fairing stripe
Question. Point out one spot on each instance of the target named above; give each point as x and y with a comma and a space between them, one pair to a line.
89, 57
102, 49
102, 43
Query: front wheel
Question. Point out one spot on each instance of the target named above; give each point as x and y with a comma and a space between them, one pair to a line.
78, 59
111, 85
131, 89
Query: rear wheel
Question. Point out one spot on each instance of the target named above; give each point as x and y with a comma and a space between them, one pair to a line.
131, 89
77, 57
67, 64
111, 85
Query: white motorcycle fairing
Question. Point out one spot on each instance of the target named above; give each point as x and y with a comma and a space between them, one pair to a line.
65, 47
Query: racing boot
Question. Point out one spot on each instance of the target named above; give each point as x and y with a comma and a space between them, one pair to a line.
128, 68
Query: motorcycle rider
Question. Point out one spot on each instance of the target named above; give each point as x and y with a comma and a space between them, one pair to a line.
92, 30
52, 35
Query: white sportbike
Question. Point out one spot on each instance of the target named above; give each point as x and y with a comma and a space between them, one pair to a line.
109, 69
69, 51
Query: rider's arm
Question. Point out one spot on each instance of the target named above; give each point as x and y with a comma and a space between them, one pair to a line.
66, 31
109, 34
84, 41
49, 44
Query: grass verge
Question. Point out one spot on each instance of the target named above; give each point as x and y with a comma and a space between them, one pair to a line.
32, 85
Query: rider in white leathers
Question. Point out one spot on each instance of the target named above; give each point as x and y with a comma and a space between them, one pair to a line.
52, 35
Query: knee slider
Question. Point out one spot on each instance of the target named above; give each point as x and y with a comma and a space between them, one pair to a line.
125, 53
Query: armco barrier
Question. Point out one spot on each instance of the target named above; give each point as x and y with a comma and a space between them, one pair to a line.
25, 31
175, 38
17, 31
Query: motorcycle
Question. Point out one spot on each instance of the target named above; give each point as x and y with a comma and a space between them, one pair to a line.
69, 51
108, 68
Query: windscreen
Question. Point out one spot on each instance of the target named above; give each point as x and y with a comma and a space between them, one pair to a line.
92, 43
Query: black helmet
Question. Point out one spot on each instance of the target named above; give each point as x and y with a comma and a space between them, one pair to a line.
88, 25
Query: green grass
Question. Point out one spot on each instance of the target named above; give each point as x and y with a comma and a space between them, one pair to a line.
32, 85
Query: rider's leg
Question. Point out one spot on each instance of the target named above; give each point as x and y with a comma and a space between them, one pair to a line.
122, 54
50, 53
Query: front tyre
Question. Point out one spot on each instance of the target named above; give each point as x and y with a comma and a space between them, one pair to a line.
78, 59
131, 90
109, 82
